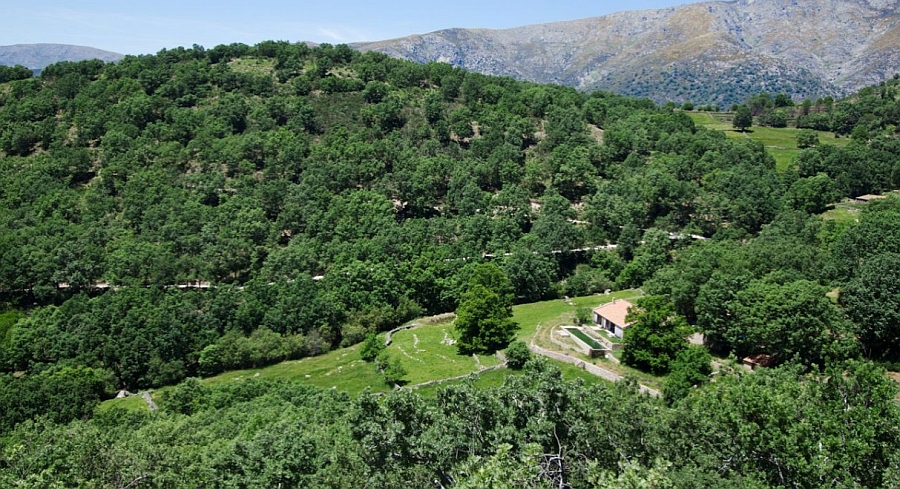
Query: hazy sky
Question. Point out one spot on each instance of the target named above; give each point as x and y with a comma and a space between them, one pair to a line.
147, 26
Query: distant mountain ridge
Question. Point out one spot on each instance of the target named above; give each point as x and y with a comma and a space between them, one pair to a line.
712, 52
38, 56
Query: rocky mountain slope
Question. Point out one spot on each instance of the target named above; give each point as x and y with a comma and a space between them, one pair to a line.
713, 52
37, 56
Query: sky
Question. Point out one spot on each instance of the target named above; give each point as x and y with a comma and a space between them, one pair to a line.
146, 26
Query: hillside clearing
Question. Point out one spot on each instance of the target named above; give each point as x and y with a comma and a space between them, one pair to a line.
781, 143
426, 352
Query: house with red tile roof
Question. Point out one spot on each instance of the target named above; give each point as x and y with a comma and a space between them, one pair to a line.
611, 316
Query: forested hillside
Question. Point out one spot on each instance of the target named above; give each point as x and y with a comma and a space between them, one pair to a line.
781, 428
265, 167
199, 210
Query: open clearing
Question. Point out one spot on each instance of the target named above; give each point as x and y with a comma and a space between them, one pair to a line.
540, 319
780, 142
428, 353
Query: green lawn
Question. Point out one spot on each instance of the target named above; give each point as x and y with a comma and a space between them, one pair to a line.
427, 352
530, 316
133, 403
342, 369
841, 215
780, 142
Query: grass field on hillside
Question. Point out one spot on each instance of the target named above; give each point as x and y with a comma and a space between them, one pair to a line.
530, 316
428, 353
253, 66
781, 143
844, 213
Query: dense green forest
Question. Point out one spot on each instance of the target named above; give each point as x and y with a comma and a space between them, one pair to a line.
196, 211
778, 428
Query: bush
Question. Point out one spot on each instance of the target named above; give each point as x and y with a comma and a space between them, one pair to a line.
352, 333
187, 397
12, 73
61, 394
391, 369
690, 369
263, 347
807, 138
775, 118
583, 315
585, 281
517, 355
370, 348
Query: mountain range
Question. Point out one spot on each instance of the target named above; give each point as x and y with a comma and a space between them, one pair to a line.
38, 56
707, 53
711, 52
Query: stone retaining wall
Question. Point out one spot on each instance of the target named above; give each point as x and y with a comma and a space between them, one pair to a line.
390, 334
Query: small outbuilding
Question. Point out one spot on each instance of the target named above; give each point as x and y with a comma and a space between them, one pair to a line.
865, 199
611, 317
755, 361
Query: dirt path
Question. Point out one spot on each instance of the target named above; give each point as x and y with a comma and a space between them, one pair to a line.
149, 400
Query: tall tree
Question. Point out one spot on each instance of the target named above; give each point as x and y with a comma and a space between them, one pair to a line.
657, 335
872, 301
483, 323
743, 118
787, 320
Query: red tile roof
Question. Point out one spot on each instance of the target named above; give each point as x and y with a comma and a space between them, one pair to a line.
758, 360
615, 311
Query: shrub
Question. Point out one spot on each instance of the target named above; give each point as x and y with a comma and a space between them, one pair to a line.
517, 355
370, 348
807, 138
392, 370
187, 397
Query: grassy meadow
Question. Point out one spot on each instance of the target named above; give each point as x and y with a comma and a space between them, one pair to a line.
428, 353
780, 142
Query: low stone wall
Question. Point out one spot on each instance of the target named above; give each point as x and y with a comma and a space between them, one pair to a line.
563, 344
454, 379
388, 337
587, 367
